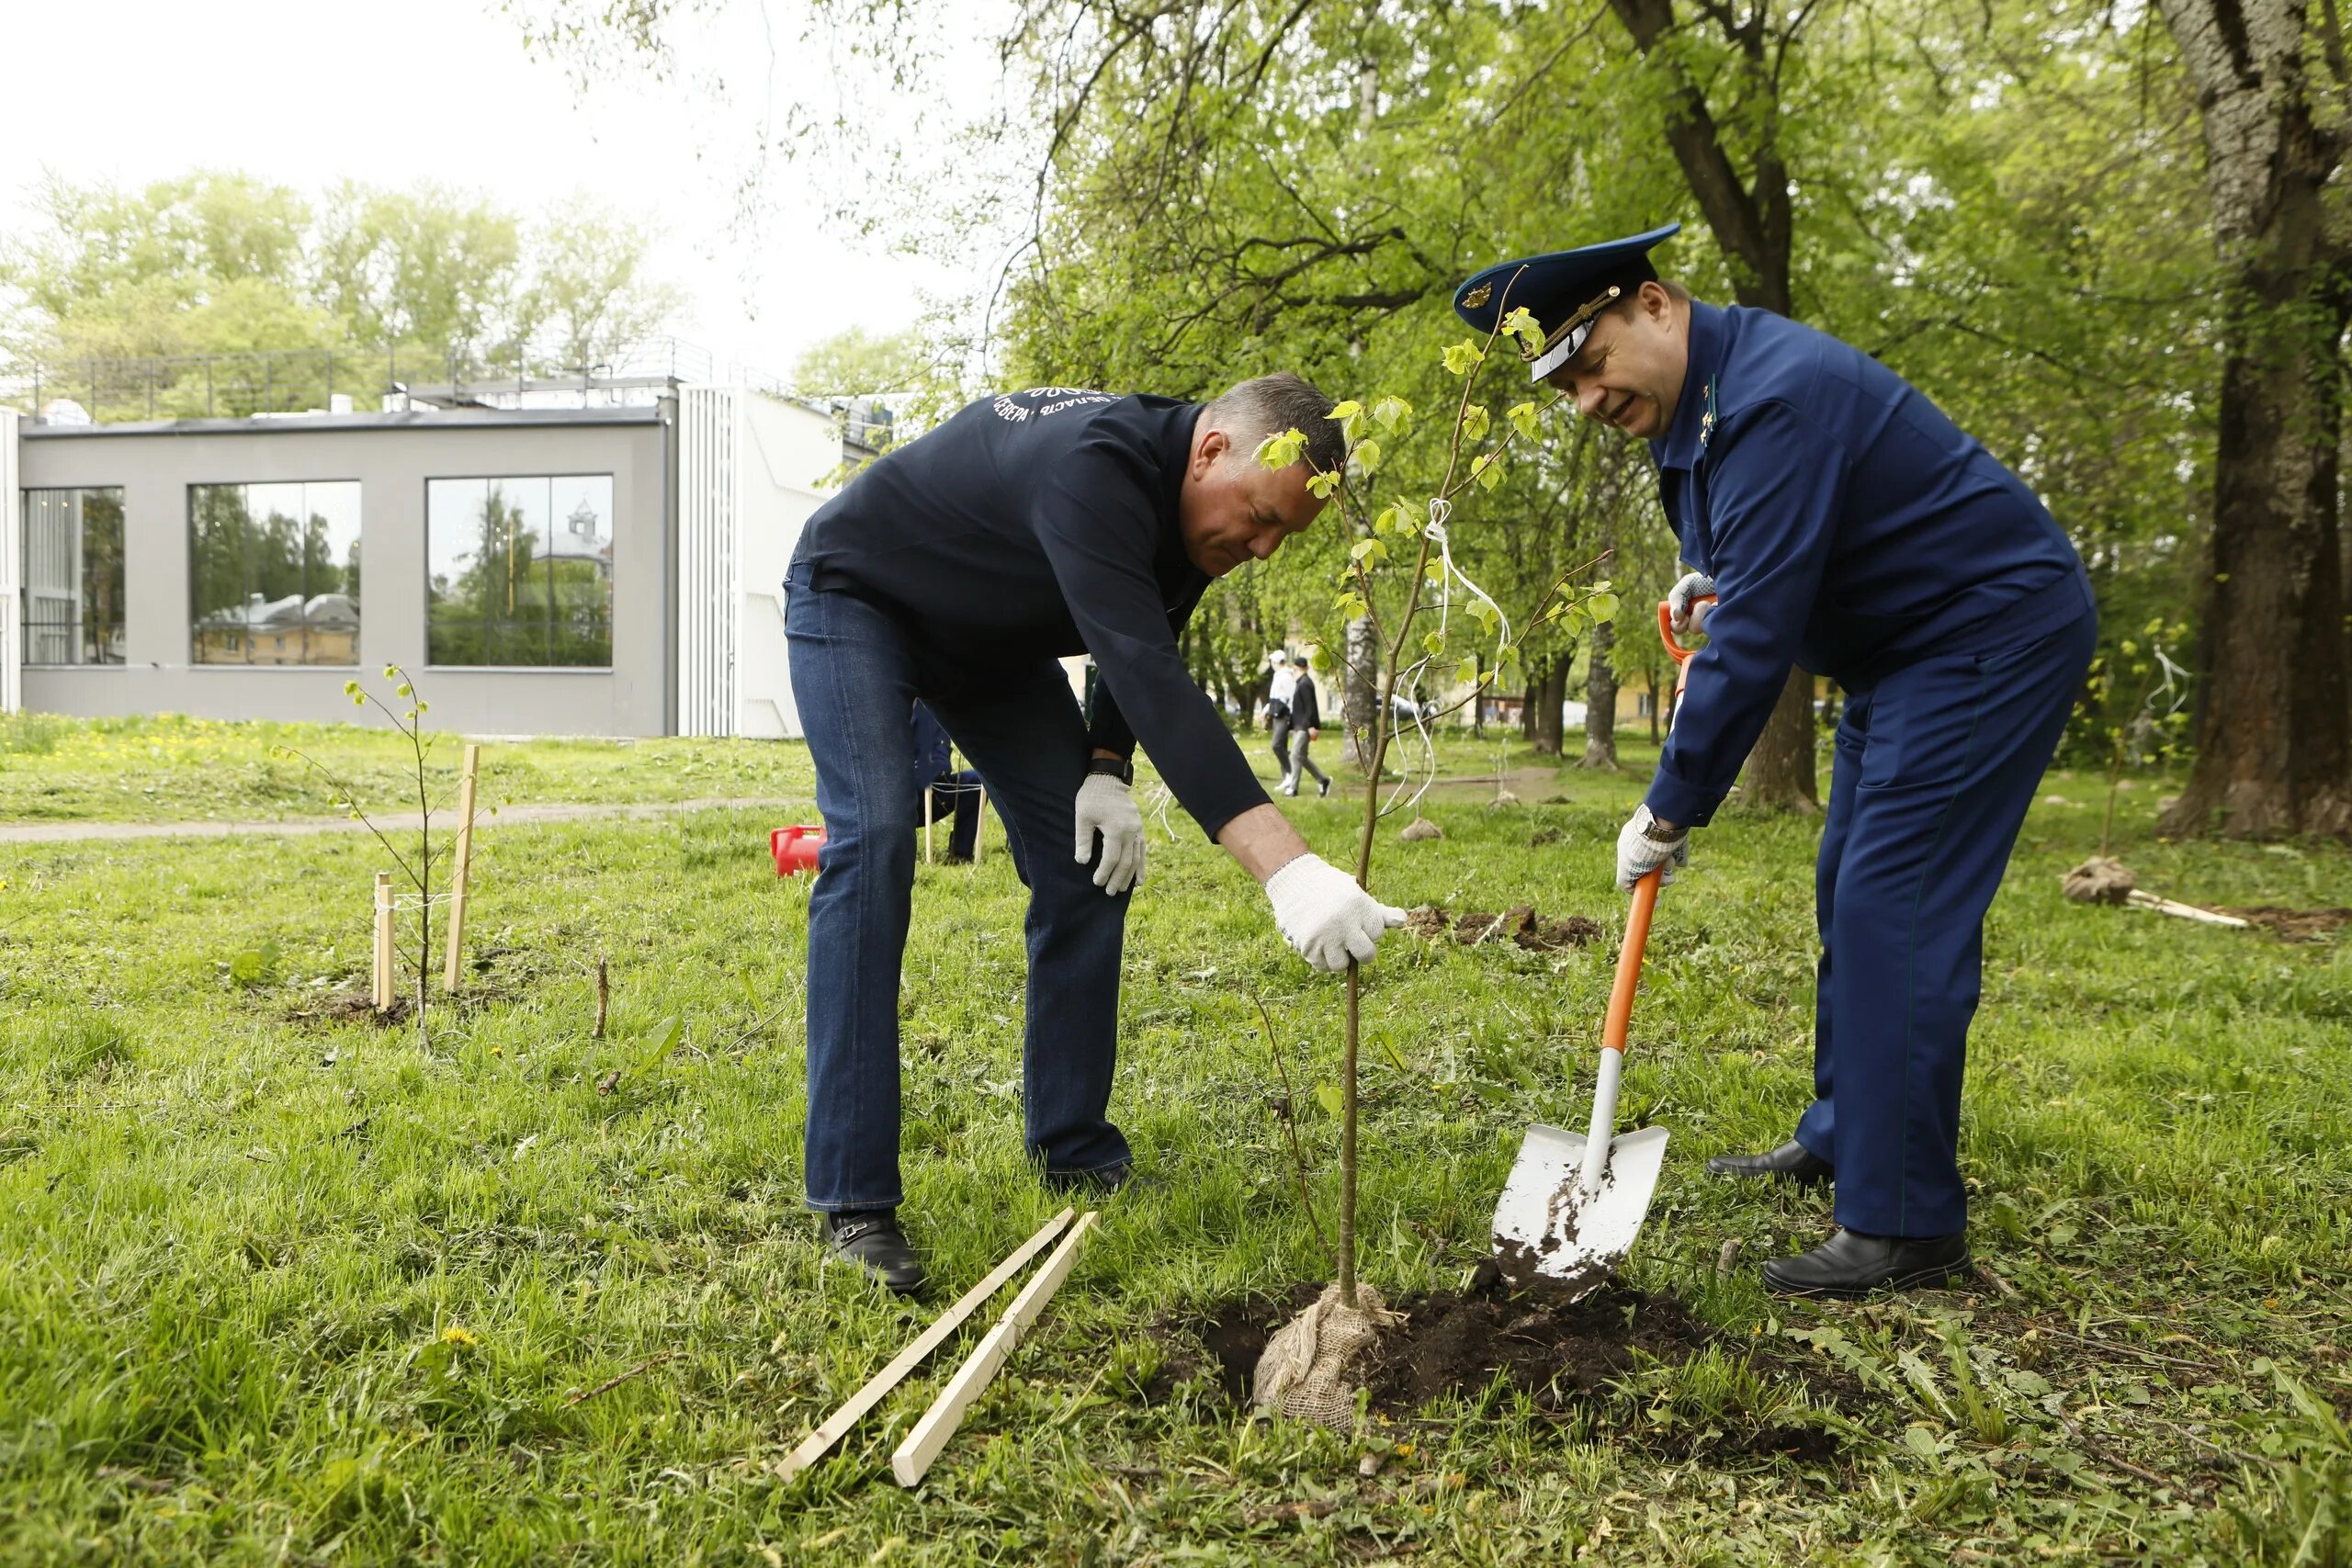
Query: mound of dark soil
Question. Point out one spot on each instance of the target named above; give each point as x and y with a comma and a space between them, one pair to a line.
1545, 1345
350, 1006
1518, 924
1452, 1343
1523, 925
2295, 925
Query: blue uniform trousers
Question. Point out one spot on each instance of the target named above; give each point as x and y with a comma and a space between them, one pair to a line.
1935, 765
856, 674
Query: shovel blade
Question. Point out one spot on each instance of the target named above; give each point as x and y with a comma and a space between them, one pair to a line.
1546, 1227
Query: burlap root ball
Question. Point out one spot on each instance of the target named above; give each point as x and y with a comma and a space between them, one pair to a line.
1309, 1367
2100, 880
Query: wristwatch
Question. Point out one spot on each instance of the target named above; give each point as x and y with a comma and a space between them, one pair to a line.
1658, 834
1120, 768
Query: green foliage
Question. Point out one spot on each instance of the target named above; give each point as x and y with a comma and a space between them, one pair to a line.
220, 262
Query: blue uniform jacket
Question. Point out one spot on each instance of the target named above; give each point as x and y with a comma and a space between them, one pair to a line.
1851, 527
1038, 525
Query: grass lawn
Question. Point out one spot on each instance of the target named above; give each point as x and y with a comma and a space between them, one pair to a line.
175, 769
279, 1285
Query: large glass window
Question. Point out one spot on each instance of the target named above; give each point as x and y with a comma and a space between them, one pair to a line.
72, 577
275, 572
520, 571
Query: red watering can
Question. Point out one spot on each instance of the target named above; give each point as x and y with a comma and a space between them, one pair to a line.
795, 849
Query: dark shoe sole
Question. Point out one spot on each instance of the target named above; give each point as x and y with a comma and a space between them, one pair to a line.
1937, 1278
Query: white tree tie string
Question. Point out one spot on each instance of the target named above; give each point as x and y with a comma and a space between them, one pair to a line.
1449, 574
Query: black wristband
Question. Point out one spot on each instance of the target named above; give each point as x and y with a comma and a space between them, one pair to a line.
1120, 768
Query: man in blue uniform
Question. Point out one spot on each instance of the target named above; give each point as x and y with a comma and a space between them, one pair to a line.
1850, 528
959, 569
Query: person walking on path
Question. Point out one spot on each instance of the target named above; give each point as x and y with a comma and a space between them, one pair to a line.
1278, 720
1306, 728
959, 569
1849, 527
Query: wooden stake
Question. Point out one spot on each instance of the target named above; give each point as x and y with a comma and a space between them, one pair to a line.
981, 827
946, 1413
384, 981
458, 871
603, 1000
926, 824
882, 1382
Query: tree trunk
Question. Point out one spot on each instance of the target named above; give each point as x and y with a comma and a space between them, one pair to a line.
1779, 773
1361, 689
1600, 704
1551, 695
2274, 737
1654, 699
1753, 222
1527, 703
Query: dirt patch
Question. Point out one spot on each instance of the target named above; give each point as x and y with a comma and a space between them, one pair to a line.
2294, 925
1540, 1344
1448, 1343
1523, 925
350, 1006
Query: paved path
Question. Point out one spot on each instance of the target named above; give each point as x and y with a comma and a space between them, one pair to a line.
71, 832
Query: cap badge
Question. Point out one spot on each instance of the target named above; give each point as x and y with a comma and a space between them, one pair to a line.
1477, 297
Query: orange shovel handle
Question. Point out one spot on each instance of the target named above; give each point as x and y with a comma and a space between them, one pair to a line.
1629, 963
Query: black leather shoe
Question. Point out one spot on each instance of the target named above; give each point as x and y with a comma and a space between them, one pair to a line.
874, 1242
1790, 1162
1852, 1264
1094, 1182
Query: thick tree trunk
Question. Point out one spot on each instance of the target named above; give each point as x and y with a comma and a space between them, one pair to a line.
1753, 220
1551, 694
1601, 703
1779, 773
2274, 735
1360, 691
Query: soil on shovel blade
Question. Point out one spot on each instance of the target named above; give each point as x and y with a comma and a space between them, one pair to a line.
1538, 1342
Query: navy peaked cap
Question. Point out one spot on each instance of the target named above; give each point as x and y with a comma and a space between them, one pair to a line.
1563, 292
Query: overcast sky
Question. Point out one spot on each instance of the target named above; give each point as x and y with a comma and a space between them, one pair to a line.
393, 93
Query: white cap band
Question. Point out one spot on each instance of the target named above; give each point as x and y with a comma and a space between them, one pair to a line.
1560, 353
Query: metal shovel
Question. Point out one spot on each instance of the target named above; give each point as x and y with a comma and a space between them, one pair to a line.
1574, 1204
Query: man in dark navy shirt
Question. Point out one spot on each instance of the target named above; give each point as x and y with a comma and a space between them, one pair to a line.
1849, 527
959, 569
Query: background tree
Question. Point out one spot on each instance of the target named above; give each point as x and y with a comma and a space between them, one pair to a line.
2274, 733
219, 262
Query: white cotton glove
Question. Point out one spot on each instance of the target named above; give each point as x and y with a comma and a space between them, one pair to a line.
1639, 853
1694, 585
1107, 807
1324, 916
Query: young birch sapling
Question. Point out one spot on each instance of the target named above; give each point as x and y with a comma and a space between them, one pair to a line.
1425, 615
416, 870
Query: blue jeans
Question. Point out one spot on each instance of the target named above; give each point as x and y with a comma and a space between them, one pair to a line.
856, 675
1937, 763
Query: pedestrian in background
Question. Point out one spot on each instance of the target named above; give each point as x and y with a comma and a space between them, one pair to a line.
1306, 728
1278, 693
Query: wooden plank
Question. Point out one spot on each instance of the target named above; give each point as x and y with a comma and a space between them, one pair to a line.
882, 1382
385, 980
946, 1413
461, 872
